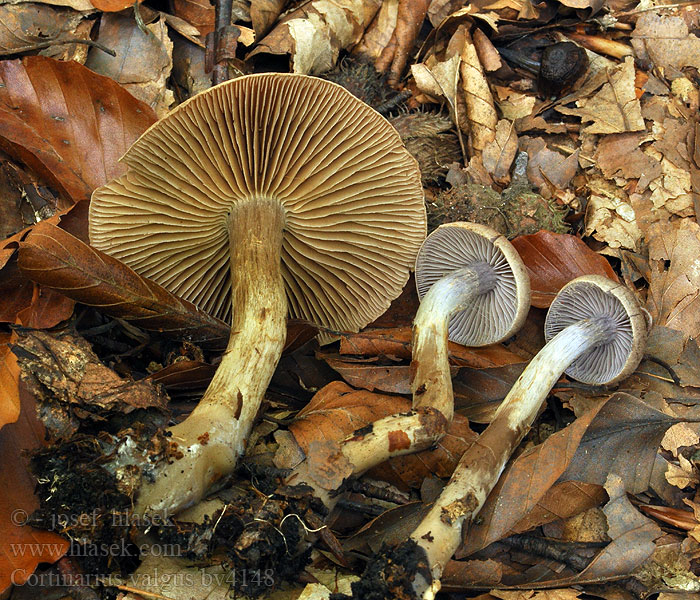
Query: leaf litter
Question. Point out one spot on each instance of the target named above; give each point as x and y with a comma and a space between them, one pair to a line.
604, 173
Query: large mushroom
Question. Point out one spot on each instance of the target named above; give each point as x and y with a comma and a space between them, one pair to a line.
596, 333
265, 196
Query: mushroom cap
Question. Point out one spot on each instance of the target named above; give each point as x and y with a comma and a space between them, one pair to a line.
596, 295
495, 315
351, 194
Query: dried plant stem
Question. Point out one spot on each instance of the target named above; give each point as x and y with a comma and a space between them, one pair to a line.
213, 437
440, 533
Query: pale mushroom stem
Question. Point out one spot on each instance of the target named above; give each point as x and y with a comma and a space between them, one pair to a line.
432, 383
440, 533
212, 438
389, 437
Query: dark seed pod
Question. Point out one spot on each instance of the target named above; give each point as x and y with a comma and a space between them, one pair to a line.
562, 65
431, 139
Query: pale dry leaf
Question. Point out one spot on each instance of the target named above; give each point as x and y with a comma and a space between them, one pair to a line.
681, 475
440, 80
77, 5
516, 105
674, 292
620, 155
610, 218
615, 107
314, 34
481, 112
379, 32
672, 190
666, 41
143, 62
498, 155
547, 169
678, 436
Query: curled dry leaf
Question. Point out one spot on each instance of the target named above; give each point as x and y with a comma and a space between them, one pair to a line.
264, 13
337, 410
554, 259
498, 155
67, 123
9, 381
410, 17
17, 502
199, 13
615, 108
674, 298
143, 61
55, 259
314, 34
481, 112
380, 32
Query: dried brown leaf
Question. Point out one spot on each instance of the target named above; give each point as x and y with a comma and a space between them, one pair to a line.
615, 108
523, 484
674, 298
498, 155
547, 169
9, 381
199, 13
17, 502
143, 61
379, 33
264, 14
55, 259
554, 259
67, 123
481, 112
71, 385
396, 342
665, 40
314, 34
46, 23
409, 19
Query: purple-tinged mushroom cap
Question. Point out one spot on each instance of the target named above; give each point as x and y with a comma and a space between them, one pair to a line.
494, 315
596, 296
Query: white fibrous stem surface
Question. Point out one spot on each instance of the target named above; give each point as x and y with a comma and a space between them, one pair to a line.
440, 532
395, 435
208, 443
432, 383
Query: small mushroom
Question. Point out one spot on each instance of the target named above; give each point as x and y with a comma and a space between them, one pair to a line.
474, 289
266, 195
596, 333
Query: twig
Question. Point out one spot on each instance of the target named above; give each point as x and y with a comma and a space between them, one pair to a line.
44, 45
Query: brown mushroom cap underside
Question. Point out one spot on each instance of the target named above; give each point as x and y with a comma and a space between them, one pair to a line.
493, 316
351, 193
594, 295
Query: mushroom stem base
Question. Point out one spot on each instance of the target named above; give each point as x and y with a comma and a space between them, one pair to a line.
208, 443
